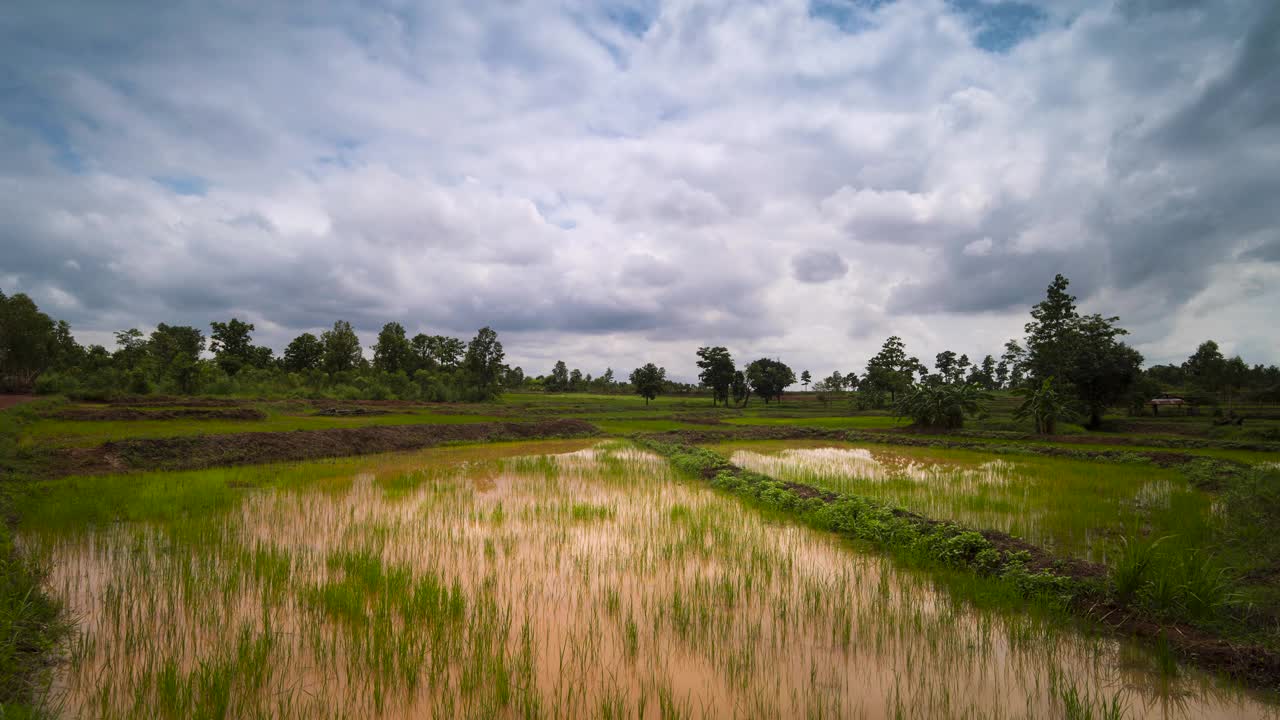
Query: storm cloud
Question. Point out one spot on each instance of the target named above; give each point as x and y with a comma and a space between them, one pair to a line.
619, 182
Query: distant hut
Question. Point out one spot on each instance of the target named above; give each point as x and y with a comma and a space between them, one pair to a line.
1169, 402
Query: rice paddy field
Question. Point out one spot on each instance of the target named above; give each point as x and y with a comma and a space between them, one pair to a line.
1073, 507
577, 578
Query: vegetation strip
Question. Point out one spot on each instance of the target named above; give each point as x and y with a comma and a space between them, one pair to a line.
201, 451
1079, 587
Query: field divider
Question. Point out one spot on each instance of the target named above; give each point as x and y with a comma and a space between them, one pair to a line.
1023, 570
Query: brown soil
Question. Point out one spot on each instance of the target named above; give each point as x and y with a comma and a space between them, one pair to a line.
350, 411
199, 451
133, 413
8, 401
167, 401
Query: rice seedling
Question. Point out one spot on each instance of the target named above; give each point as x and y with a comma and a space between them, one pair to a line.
535, 581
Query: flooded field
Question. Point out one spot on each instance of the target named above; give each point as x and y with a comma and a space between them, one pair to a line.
1070, 506
539, 580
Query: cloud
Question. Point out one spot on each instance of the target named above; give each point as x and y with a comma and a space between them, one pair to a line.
633, 179
818, 266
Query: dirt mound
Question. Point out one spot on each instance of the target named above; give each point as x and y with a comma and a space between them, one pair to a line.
166, 400
351, 411
199, 451
133, 413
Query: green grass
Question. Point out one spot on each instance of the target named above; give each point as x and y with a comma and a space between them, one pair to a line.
1073, 506
52, 432
831, 423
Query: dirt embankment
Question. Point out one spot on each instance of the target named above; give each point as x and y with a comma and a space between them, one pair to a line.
200, 451
8, 401
171, 401
163, 413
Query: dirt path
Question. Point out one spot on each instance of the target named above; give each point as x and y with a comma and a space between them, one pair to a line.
251, 448
8, 401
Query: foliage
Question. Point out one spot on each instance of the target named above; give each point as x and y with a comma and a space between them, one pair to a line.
768, 378
341, 348
940, 405
1082, 353
717, 372
305, 352
392, 352
1043, 405
483, 365
648, 381
890, 371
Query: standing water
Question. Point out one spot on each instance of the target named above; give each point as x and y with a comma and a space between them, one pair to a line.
483, 582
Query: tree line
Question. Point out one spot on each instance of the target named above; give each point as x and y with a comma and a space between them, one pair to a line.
1065, 364
39, 353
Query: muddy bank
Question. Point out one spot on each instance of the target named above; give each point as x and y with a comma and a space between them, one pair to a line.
163, 413
169, 400
201, 451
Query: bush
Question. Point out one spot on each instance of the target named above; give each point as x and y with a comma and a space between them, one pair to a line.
940, 405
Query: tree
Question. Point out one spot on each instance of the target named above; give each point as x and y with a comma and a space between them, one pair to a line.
984, 374
131, 349
739, 388
436, 352
341, 348
606, 380
305, 352
392, 352
805, 379
891, 370
515, 378
558, 380
768, 378
945, 363
172, 345
1002, 374
717, 372
175, 351
648, 381
1013, 358
483, 364
1100, 368
232, 344
575, 380
1206, 367
1050, 333
27, 340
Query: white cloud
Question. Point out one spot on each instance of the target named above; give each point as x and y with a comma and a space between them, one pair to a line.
745, 174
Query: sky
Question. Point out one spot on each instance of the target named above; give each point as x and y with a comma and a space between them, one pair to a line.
613, 183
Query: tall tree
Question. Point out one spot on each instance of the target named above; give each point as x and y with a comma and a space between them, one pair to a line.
945, 363
483, 364
805, 379
392, 352
1050, 333
739, 388
575, 380
558, 380
717, 372
648, 381
175, 351
305, 352
891, 369
768, 378
232, 344
341, 348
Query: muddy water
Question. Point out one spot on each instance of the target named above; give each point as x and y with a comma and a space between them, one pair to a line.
590, 583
